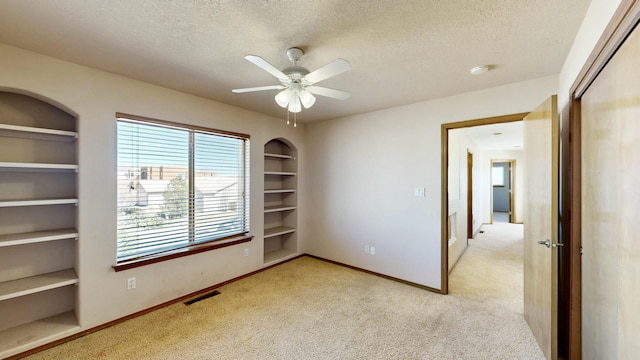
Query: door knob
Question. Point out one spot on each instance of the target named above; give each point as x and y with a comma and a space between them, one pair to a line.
546, 243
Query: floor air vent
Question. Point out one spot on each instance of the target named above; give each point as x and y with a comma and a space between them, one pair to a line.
202, 297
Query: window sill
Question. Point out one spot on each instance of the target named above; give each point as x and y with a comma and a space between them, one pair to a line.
194, 249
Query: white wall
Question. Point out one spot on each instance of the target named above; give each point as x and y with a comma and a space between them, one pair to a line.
595, 21
459, 144
457, 175
478, 186
95, 96
362, 171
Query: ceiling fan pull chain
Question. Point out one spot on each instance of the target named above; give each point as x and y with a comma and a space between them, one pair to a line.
295, 119
287, 116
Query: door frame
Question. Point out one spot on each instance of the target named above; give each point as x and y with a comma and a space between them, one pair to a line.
444, 161
623, 22
512, 186
469, 195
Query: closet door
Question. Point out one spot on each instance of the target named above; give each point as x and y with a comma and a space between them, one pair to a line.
610, 125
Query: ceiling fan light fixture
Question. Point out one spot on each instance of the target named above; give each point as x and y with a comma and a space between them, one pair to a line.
307, 99
283, 98
297, 84
294, 104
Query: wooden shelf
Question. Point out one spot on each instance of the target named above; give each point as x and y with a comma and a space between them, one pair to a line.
282, 173
17, 203
21, 338
277, 255
29, 132
15, 166
280, 230
33, 284
278, 156
279, 191
268, 209
37, 236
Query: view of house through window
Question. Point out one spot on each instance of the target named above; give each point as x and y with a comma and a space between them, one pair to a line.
178, 186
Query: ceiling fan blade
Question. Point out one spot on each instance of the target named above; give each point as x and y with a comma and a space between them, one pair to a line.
323, 91
262, 63
333, 68
259, 88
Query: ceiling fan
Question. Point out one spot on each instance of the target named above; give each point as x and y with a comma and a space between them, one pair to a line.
297, 83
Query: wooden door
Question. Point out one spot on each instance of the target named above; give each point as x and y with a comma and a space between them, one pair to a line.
610, 127
541, 224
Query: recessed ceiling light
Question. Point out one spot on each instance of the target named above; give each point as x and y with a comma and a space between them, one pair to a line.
479, 70
497, 133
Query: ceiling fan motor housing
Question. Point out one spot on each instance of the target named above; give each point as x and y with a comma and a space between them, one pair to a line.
295, 72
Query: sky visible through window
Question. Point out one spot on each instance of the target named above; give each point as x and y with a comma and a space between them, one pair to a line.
165, 146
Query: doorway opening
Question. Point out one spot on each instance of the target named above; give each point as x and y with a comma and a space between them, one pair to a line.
463, 196
503, 183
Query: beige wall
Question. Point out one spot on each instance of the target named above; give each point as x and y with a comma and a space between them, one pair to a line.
95, 96
362, 171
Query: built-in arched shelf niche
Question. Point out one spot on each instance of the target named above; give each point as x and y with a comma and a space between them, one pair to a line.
280, 200
38, 212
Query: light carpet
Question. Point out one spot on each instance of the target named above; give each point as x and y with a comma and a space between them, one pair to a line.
312, 309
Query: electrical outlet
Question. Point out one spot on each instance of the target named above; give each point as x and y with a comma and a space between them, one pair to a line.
372, 250
246, 251
418, 192
366, 249
131, 283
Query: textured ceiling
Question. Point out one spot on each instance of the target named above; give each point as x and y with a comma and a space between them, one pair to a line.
504, 136
401, 51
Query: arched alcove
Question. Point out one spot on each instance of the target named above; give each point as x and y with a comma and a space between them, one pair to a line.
280, 200
38, 214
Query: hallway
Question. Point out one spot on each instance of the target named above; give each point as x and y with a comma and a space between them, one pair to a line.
491, 268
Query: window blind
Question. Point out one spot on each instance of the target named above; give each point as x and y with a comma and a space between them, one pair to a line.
178, 186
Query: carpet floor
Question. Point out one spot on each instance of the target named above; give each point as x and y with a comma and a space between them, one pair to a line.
312, 309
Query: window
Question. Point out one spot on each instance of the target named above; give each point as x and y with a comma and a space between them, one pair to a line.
178, 187
497, 176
